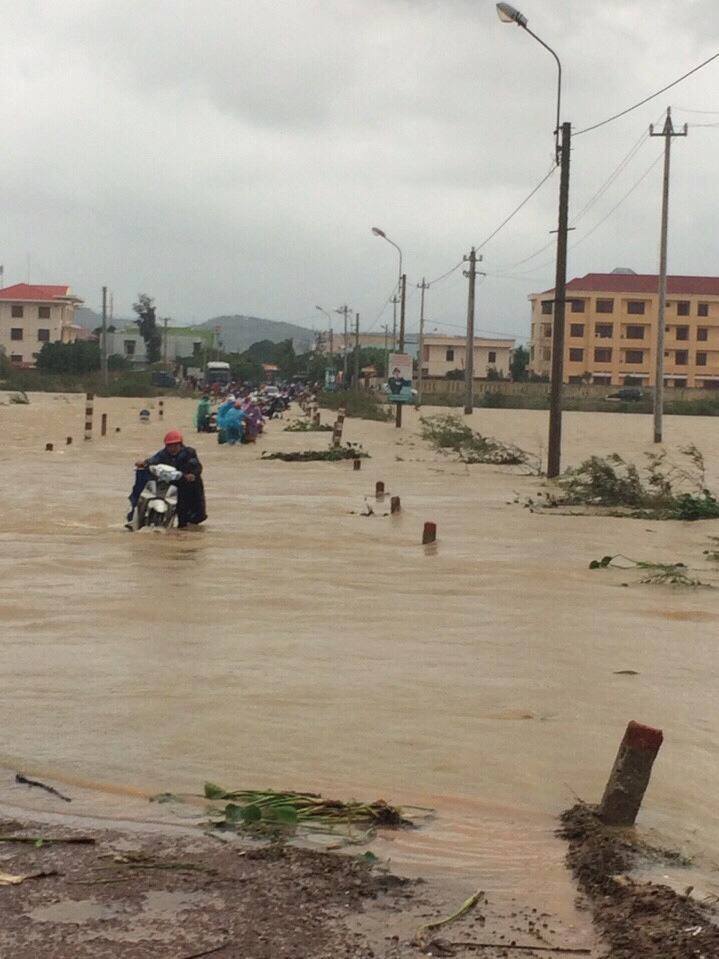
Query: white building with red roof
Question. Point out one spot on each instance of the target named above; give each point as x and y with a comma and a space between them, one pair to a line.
33, 314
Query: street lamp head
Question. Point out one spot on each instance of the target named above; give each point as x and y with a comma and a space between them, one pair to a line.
509, 14
377, 232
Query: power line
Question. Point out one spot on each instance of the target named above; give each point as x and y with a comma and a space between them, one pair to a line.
445, 275
623, 113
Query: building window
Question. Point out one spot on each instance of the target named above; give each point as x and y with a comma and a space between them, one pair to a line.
683, 308
681, 357
682, 332
547, 307
701, 359
15, 358
492, 357
576, 379
16, 311
576, 330
531, 353
129, 347
703, 309
634, 356
547, 330
633, 380
546, 354
635, 332
604, 331
602, 380
576, 355
577, 306
605, 306
702, 334
602, 354
636, 307
43, 336
43, 312
16, 333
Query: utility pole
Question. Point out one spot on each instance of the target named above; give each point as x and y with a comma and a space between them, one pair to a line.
668, 132
357, 351
104, 336
331, 341
402, 303
554, 451
164, 341
420, 355
344, 310
471, 275
395, 301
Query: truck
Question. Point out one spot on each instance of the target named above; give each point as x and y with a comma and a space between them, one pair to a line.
217, 372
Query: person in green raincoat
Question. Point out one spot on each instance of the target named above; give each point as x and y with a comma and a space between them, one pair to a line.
202, 417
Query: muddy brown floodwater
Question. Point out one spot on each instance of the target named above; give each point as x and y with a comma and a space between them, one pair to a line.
294, 643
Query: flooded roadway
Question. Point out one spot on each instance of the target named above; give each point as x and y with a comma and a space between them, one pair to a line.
293, 643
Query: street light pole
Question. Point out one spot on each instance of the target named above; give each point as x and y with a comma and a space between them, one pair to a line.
403, 299
509, 14
344, 310
377, 232
329, 327
424, 285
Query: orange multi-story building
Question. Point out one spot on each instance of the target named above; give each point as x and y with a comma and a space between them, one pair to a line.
611, 330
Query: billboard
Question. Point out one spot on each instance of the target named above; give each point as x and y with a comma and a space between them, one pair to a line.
399, 382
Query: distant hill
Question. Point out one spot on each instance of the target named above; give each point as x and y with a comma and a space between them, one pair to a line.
240, 332
90, 320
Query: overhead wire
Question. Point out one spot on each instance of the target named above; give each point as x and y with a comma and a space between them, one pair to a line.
635, 106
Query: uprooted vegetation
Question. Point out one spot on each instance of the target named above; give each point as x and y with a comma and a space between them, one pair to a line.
351, 451
655, 574
307, 426
447, 433
658, 490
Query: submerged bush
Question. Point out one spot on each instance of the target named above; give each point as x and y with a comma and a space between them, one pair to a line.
448, 432
659, 490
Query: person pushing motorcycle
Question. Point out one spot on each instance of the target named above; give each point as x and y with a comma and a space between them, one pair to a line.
190, 489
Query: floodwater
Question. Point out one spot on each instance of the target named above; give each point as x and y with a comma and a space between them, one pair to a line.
294, 643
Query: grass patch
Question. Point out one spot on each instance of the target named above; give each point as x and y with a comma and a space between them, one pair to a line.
658, 490
447, 432
359, 404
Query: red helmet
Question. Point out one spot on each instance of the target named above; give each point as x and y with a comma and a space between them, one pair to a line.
174, 436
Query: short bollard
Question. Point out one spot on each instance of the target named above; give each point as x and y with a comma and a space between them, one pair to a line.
379, 490
117, 429
630, 775
161, 411
68, 441
394, 505
103, 425
89, 410
49, 447
357, 465
429, 533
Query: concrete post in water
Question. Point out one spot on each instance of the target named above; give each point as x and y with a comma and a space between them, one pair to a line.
49, 447
161, 411
337, 431
68, 441
103, 425
379, 490
316, 416
394, 505
89, 408
117, 429
429, 533
630, 775
357, 464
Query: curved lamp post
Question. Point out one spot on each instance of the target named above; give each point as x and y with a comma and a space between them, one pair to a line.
402, 294
329, 322
509, 14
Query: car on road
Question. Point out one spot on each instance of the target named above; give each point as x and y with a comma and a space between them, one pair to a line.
628, 394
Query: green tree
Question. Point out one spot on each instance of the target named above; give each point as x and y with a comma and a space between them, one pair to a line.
519, 363
147, 324
82, 356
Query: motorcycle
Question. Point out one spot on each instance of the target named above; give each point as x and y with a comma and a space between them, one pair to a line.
157, 505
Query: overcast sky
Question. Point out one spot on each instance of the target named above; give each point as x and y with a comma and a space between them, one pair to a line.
228, 156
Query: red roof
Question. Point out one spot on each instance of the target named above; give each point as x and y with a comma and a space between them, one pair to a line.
643, 283
27, 291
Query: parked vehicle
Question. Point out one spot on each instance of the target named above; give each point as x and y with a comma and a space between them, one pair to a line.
217, 373
628, 394
162, 379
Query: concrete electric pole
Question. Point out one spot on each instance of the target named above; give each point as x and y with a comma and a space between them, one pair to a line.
402, 303
667, 132
357, 353
104, 336
471, 275
420, 355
